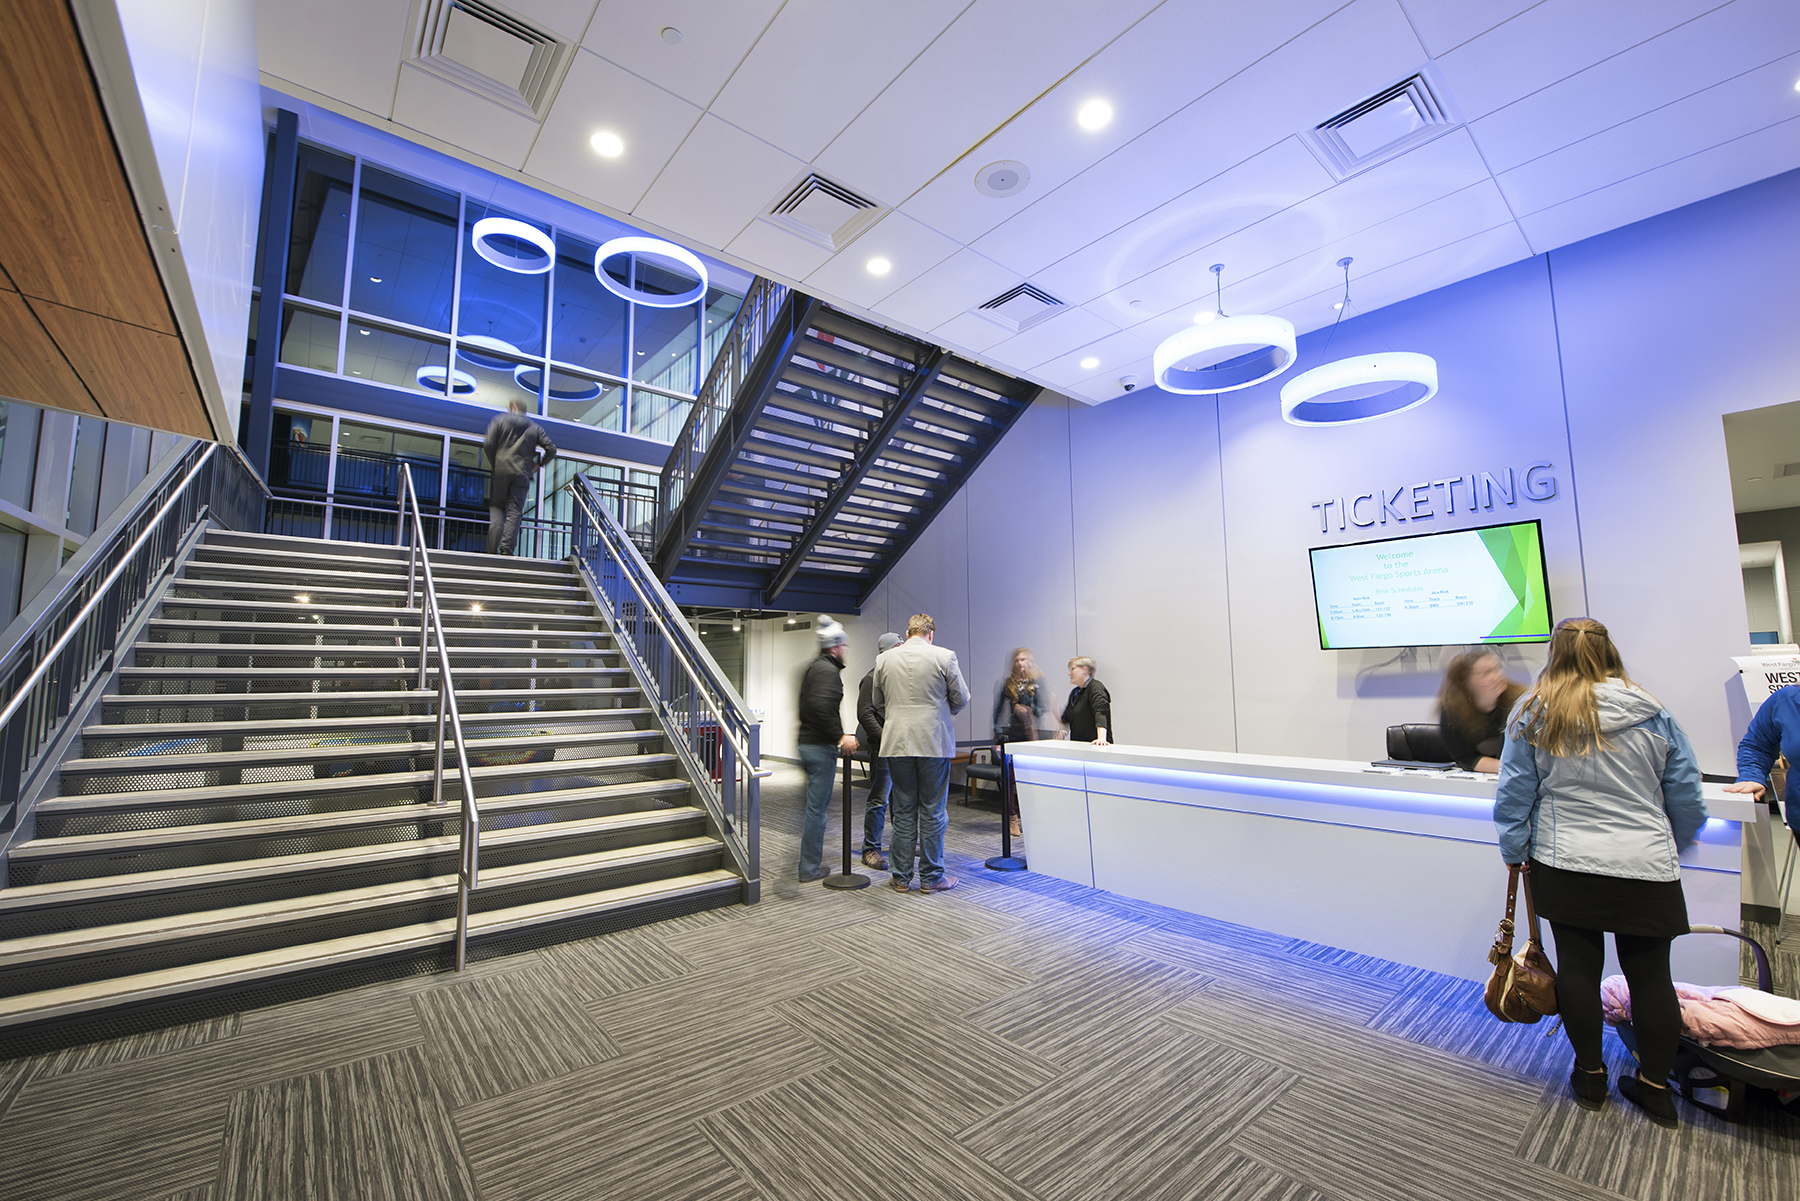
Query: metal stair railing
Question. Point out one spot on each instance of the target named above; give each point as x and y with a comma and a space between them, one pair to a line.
756, 316
75, 637
706, 721
420, 584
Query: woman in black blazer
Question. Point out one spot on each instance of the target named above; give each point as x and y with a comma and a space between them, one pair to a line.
1088, 715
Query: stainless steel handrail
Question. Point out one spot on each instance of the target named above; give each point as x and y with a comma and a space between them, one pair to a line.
431, 624
653, 606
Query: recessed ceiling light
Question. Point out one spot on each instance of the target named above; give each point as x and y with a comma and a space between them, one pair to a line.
374, 279
607, 144
1089, 363
1095, 114
671, 35
879, 266
1203, 318
1338, 305
363, 332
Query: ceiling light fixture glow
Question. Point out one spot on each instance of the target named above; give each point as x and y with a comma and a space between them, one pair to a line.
1363, 388
1095, 114
432, 378
879, 266
1225, 353
607, 144
662, 249
1089, 363
513, 245
1203, 318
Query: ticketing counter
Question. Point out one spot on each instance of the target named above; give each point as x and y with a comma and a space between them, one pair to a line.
1403, 866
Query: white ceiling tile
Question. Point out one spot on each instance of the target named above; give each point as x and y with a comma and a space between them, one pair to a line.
567, 19
1356, 52
599, 95
1117, 353
1444, 25
775, 251
715, 36
1551, 42
687, 199
1276, 179
959, 283
1759, 155
910, 248
1724, 43
444, 111
820, 62
968, 332
305, 44
1102, 388
1728, 110
1059, 335
1179, 52
991, 63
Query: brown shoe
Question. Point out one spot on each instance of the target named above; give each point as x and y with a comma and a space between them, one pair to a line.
899, 885
944, 884
1014, 827
876, 860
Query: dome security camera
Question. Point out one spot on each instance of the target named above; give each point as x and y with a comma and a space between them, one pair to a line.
1128, 382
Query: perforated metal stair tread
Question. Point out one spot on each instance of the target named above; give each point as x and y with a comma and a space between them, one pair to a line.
237, 700
313, 957
449, 601
178, 625
300, 727
457, 654
352, 673
119, 936
494, 570
453, 618
314, 575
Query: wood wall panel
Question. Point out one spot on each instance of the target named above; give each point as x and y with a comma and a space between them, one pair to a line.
32, 369
138, 375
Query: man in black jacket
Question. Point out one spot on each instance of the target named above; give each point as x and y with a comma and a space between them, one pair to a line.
516, 447
868, 733
822, 737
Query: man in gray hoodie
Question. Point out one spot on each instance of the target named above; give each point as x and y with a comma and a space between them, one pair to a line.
516, 446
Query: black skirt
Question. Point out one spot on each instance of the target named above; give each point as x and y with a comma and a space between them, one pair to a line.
1646, 908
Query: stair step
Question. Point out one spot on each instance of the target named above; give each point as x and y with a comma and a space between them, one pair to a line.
357, 556
352, 673
38, 949
302, 727
278, 790
177, 625
467, 698
238, 971
474, 561
303, 825
478, 656
463, 618
315, 576
448, 600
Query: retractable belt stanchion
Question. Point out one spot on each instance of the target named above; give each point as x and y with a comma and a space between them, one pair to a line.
1008, 805
848, 879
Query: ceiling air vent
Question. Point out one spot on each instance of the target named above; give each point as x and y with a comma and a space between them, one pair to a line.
1784, 470
1384, 126
823, 211
487, 50
1020, 309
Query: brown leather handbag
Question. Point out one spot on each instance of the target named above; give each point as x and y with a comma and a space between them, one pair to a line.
1522, 987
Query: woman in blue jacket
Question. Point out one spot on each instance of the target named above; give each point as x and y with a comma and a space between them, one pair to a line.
1775, 730
1598, 792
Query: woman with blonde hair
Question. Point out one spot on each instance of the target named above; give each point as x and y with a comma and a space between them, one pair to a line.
1018, 705
1598, 793
1472, 706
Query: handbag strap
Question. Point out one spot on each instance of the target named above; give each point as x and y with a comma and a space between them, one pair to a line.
1503, 939
1523, 872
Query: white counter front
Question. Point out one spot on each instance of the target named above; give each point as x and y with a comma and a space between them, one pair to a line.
1405, 867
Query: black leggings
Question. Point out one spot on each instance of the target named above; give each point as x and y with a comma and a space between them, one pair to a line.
1655, 1012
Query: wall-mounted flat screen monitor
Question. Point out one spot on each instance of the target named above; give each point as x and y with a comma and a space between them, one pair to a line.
1460, 586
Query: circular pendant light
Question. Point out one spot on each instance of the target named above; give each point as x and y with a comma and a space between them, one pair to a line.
562, 387
513, 245
1224, 354
461, 382
656, 246
1360, 389
496, 354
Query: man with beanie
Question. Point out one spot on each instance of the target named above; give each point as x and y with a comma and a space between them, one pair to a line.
868, 735
822, 737
516, 446
919, 689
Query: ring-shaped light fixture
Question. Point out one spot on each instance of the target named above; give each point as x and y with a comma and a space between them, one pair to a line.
1224, 355
529, 377
1360, 389
657, 246
508, 244
496, 354
433, 377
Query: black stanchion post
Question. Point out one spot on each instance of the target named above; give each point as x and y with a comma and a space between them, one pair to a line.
849, 879
1006, 862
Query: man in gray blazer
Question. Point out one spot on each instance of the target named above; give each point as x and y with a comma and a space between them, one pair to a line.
919, 688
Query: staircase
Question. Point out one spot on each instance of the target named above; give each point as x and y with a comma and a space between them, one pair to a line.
820, 448
250, 798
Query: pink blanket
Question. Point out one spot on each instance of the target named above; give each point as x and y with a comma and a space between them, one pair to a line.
1745, 1018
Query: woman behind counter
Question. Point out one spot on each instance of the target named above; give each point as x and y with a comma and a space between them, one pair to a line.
1599, 791
1018, 706
1088, 715
1472, 706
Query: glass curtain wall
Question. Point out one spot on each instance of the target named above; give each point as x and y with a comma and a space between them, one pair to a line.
385, 282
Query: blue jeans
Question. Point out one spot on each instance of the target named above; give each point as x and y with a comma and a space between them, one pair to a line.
820, 763
876, 807
921, 799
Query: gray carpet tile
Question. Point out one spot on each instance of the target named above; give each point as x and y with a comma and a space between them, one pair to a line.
495, 1034
205, 1192
1074, 1016
814, 1139
681, 1164
1170, 1101
1448, 1014
906, 960
1361, 965
16, 1073
1058, 938
964, 1071
1233, 1177
1620, 1149
374, 1128
552, 1137
593, 968
1350, 998
1784, 956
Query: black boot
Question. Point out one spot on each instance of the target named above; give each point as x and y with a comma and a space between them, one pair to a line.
1590, 1088
1658, 1104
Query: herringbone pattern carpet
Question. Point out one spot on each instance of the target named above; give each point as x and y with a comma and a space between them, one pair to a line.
1018, 1038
